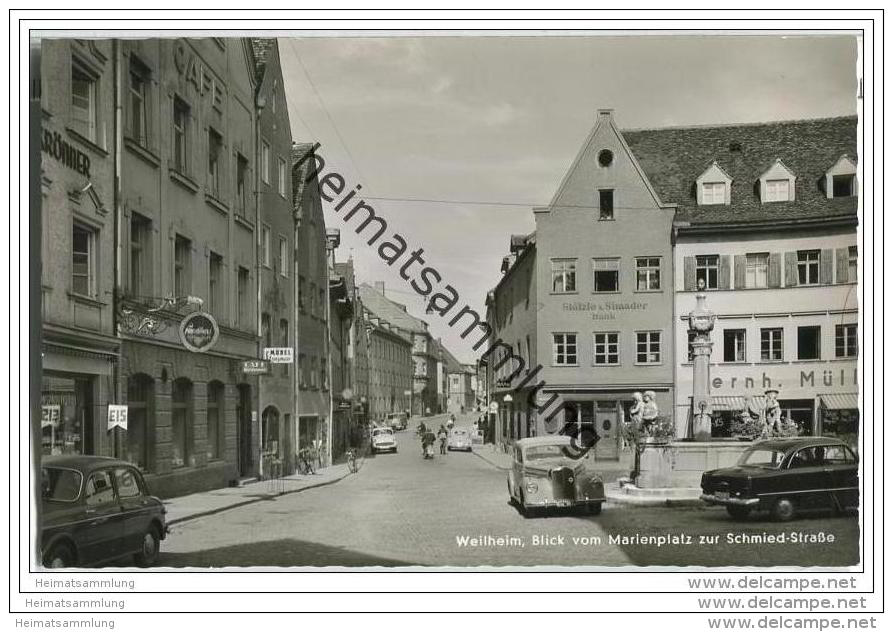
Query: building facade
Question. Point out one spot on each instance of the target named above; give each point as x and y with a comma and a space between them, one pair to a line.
776, 252
314, 418
79, 349
275, 248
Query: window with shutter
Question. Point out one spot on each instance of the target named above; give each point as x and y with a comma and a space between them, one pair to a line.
688, 265
826, 262
842, 260
725, 272
790, 269
775, 269
740, 266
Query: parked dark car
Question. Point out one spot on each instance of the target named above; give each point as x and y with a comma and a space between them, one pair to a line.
783, 476
95, 510
549, 472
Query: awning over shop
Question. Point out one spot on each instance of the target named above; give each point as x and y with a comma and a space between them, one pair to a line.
840, 401
735, 402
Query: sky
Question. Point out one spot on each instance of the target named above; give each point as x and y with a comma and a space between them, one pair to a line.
455, 139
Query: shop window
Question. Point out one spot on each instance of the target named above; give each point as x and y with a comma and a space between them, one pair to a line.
800, 411
181, 136
846, 341
140, 255
140, 421
771, 344
564, 275
734, 345
648, 347
270, 430
181, 418
215, 154
215, 285
182, 266
66, 420
564, 349
84, 101
606, 348
606, 204
83, 260
215, 420
243, 306
707, 270
809, 343
647, 274
606, 275
808, 267
138, 89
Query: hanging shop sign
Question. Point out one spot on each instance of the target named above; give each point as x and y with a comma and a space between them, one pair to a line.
279, 355
117, 416
255, 367
199, 331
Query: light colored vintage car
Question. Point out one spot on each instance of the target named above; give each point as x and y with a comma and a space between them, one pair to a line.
549, 472
460, 439
383, 441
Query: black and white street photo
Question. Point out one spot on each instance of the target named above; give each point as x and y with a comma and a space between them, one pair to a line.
444, 300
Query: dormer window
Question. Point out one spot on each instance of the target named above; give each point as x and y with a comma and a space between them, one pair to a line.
714, 186
840, 180
713, 193
777, 184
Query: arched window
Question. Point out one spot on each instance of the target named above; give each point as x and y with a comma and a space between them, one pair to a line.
215, 420
140, 421
270, 420
181, 415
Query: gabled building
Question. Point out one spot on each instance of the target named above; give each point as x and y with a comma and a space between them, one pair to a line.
766, 222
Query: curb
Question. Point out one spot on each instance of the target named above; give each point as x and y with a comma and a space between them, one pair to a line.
488, 461
211, 512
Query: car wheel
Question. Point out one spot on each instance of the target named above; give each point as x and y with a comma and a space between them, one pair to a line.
60, 556
783, 509
149, 548
738, 512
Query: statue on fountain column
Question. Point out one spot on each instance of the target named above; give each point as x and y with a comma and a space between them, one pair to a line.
700, 324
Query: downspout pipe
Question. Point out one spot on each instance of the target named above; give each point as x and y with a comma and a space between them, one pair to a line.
118, 133
259, 103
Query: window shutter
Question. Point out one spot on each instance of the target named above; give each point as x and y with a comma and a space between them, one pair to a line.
843, 264
725, 272
775, 269
790, 269
689, 273
740, 266
826, 267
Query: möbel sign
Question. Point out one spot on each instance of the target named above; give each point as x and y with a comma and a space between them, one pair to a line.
199, 331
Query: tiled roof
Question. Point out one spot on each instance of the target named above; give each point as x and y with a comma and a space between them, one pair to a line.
261, 48
673, 158
388, 310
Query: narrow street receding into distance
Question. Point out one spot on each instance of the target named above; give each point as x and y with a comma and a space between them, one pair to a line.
402, 510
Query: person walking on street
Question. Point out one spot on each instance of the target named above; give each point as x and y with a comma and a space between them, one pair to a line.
442, 435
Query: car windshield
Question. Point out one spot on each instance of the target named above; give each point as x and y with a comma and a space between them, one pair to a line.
460, 432
381, 431
60, 484
762, 457
542, 452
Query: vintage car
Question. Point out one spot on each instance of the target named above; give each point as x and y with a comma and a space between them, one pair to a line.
97, 509
459, 439
383, 440
550, 472
784, 476
396, 421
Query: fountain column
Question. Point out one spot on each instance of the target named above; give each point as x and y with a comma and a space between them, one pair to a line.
700, 324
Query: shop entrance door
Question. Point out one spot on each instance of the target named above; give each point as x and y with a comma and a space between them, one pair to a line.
243, 416
606, 422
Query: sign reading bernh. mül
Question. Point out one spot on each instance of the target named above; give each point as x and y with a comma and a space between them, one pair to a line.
199, 331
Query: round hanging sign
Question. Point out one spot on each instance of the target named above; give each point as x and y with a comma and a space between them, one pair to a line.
199, 331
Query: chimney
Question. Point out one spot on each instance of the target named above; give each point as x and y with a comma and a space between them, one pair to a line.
606, 114
379, 287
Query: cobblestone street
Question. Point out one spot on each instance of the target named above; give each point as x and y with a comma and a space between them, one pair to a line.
401, 510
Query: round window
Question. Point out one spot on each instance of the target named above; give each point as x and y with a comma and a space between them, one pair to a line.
605, 157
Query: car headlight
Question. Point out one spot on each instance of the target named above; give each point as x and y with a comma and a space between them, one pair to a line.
531, 487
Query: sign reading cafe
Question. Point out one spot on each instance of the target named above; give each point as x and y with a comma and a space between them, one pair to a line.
199, 331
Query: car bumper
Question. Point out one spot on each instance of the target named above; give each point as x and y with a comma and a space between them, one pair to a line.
712, 499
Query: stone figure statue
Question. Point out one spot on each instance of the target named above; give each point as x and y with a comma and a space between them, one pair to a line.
635, 411
772, 411
649, 410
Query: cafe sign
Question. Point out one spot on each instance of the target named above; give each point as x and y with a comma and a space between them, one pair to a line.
255, 367
199, 331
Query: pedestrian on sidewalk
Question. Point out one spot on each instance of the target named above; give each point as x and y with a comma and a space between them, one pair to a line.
442, 435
